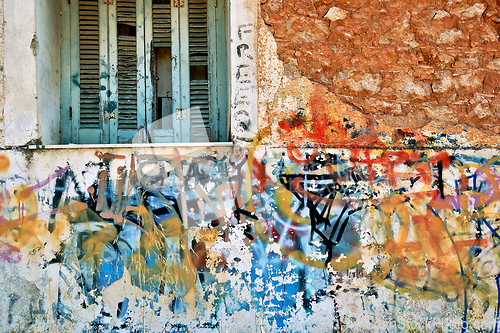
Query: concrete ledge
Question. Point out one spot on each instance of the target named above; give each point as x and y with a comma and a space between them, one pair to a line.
134, 145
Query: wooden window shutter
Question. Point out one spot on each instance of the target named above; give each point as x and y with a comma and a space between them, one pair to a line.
89, 63
134, 62
162, 25
199, 71
127, 64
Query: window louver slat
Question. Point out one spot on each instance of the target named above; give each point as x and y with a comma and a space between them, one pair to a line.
198, 56
127, 64
162, 25
198, 33
200, 111
89, 63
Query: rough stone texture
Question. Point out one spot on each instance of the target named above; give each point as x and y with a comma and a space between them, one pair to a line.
305, 114
270, 73
406, 63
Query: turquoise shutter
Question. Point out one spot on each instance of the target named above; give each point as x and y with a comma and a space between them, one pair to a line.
208, 70
218, 66
161, 67
198, 62
126, 20
80, 71
89, 64
108, 84
162, 25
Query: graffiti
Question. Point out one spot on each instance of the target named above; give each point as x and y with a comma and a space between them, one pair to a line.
4, 163
244, 81
317, 123
164, 235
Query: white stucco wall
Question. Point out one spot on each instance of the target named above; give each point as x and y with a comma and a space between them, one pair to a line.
1, 76
20, 111
76, 256
243, 68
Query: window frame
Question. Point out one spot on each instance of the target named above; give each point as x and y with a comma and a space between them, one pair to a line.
105, 124
241, 18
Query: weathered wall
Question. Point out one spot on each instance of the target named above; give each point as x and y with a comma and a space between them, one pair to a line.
303, 229
406, 64
203, 240
2, 98
20, 88
30, 60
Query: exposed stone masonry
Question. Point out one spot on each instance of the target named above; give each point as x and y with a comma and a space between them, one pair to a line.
405, 62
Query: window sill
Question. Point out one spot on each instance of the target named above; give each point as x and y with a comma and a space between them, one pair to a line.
133, 145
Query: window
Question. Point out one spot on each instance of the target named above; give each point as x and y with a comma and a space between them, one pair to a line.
143, 70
